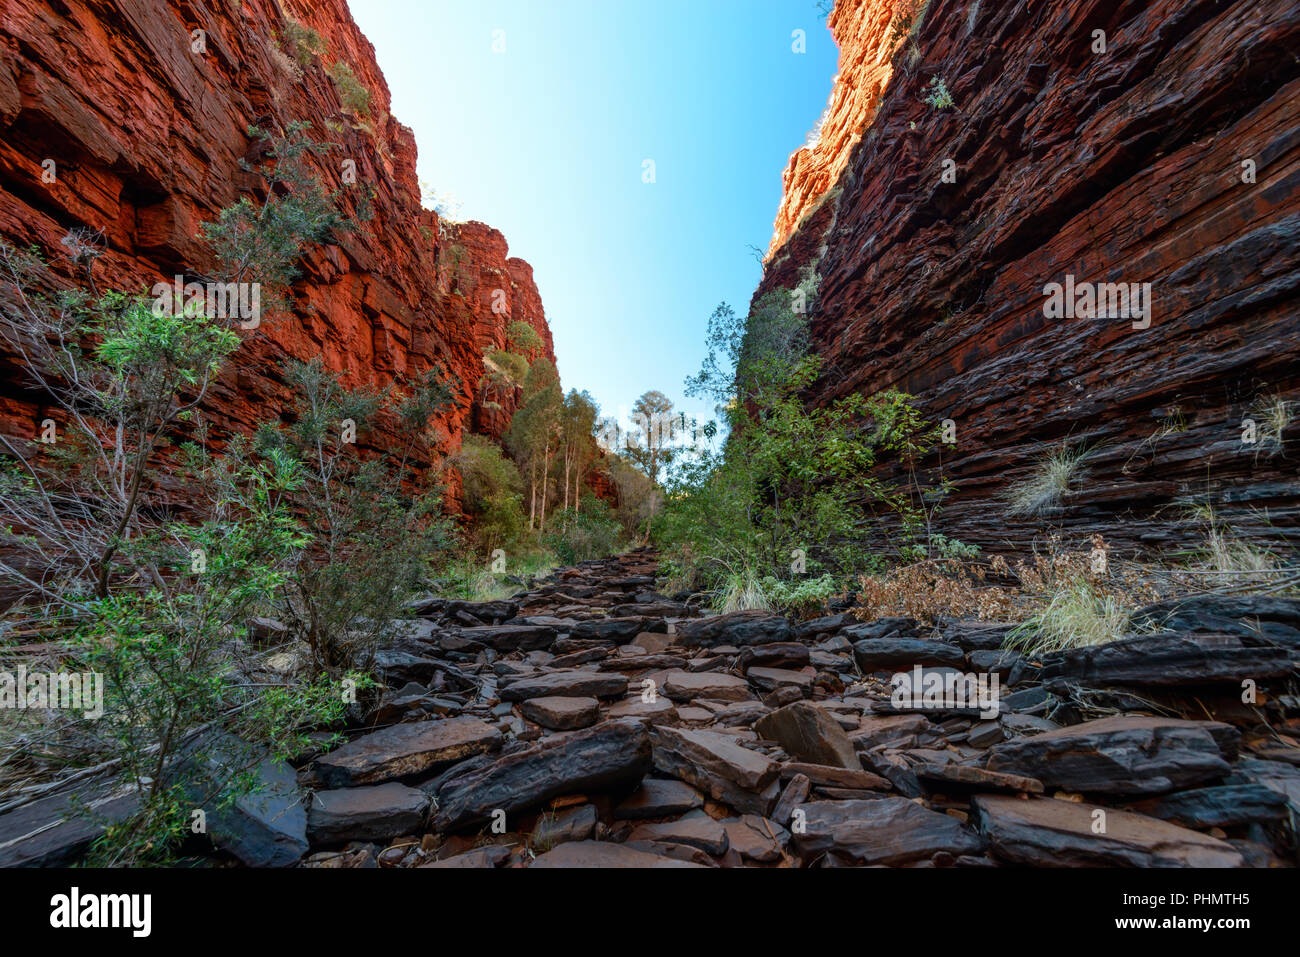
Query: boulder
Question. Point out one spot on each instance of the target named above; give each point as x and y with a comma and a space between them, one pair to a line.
716, 764
561, 714
809, 733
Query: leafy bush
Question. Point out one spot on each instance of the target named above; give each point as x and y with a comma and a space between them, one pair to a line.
372, 541
155, 604
304, 42
793, 491
492, 493
590, 532
937, 95
804, 597
355, 97
262, 242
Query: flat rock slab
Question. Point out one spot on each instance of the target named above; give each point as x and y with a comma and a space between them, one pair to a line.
572, 824
825, 775
1043, 832
404, 750
658, 711
716, 764
695, 829
567, 684
1275, 618
782, 654
610, 755
487, 611
1227, 806
1166, 660
659, 797
687, 686
899, 652
265, 827
374, 813
965, 778
756, 838
642, 663
561, 714
877, 730
604, 854
887, 830
620, 630
493, 855
809, 733
739, 628
770, 679
50, 833
512, 637
1121, 755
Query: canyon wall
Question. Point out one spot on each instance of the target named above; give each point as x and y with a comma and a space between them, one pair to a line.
1168, 153
146, 122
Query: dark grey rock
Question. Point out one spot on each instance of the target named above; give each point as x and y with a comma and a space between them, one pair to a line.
375, 813
613, 754
404, 750
1121, 755
1043, 832
739, 628
887, 830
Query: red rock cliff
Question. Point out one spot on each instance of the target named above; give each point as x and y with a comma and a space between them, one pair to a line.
1122, 165
147, 135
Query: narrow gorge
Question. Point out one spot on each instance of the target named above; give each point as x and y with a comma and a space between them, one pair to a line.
971, 545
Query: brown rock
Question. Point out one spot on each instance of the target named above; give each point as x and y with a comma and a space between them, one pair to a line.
603, 854
1041, 832
404, 750
808, 733
561, 714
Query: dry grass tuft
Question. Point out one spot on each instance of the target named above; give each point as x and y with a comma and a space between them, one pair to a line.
1049, 483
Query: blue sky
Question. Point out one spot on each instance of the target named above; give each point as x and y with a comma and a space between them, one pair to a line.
546, 141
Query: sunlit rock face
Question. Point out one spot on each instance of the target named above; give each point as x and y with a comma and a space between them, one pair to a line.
1168, 157
146, 122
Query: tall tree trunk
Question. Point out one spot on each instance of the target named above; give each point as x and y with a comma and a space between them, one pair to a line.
546, 476
566, 479
532, 494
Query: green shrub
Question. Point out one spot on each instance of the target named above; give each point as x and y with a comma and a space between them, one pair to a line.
803, 597
354, 96
372, 540
493, 495
263, 242
590, 532
304, 42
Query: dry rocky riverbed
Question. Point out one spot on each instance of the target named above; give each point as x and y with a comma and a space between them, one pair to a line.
594, 722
